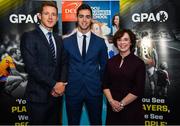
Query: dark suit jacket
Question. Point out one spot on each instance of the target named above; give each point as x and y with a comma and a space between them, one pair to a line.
85, 74
43, 72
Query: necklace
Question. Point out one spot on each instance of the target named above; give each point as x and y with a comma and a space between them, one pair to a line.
121, 63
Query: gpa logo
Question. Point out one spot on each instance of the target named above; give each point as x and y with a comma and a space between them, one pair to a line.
161, 16
22, 18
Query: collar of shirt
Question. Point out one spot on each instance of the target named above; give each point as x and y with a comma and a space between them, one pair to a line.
45, 31
80, 40
80, 35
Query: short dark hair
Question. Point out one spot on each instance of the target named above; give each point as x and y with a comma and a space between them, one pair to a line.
117, 14
83, 7
120, 34
48, 3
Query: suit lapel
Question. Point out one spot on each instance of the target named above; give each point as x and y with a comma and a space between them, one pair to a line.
57, 41
91, 45
75, 46
45, 41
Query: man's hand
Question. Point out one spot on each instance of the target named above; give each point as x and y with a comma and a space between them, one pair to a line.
58, 89
53, 93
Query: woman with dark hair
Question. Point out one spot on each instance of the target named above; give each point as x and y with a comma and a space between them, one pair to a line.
124, 81
115, 23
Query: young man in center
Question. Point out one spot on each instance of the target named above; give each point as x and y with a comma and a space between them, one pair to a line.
87, 56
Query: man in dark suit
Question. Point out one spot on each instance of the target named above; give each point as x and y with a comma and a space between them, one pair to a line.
87, 56
45, 63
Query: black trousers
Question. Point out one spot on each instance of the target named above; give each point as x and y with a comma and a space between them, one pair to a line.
93, 104
48, 113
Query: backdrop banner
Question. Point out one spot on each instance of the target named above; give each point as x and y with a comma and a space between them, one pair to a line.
157, 26
16, 17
